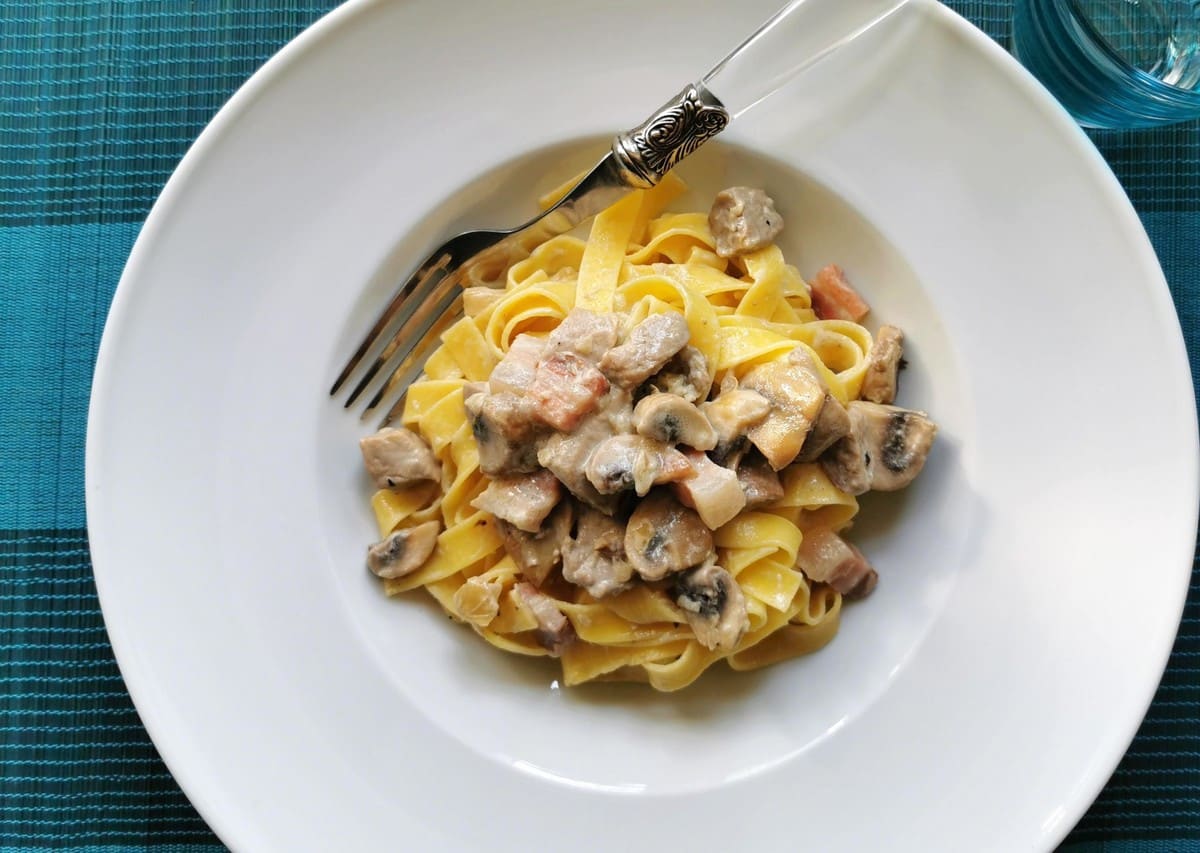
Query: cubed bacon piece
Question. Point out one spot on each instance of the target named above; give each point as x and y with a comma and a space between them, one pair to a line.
834, 299
828, 558
714, 492
565, 388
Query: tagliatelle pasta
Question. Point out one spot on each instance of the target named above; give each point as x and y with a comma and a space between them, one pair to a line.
741, 313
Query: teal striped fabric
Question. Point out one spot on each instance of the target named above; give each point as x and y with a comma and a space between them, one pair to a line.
98, 101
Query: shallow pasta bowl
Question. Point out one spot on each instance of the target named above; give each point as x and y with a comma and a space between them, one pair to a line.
979, 698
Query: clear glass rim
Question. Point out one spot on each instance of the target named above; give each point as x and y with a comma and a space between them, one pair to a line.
1188, 97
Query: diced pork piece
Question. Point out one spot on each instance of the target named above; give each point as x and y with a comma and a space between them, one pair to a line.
743, 220
714, 492
523, 500
470, 389
831, 424
554, 631
685, 375
584, 333
885, 449
828, 558
732, 415
476, 300
759, 482
565, 388
567, 454
673, 420
834, 299
650, 345
514, 374
404, 551
796, 395
664, 537
399, 457
714, 604
539, 554
626, 462
594, 558
883, 365
506, 431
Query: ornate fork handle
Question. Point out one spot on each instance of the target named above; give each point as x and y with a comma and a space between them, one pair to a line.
650, 150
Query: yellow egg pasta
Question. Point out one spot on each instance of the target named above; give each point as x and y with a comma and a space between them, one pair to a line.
740, 313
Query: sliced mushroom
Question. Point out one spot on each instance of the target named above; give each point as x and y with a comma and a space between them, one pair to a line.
796, 394
523, 500
506, 431
671, 419
405, 551
635, 462
650, 345
883, 364
831, 424
714, 491
760, 484
539, 554
732, 415
584, 333
399, 457
885, 449
554, 631
742, 220
685, 375
514, 374
566, 455
715, 606
663, 537
565, 388
828, 558
594, 558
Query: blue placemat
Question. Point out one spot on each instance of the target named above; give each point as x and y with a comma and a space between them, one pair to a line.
98, 101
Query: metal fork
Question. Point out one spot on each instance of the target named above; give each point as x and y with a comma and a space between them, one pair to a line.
797, 36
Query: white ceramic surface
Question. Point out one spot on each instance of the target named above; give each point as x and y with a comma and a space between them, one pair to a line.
1031, 581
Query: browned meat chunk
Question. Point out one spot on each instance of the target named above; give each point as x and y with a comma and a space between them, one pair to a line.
673, 420
796, 395
523, 500
831, 424
759, 482
650, 345
594, 558
538, 554
635, 462
506, 431
554, 631
584, 333
714, 492
565, 388
715, 606
885, 449
403, 552
732, 415
828, 558
742, 220
514, 374
883, 365
399, 457
566, 455
663, 537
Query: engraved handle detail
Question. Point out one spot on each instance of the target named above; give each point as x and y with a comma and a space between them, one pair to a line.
678, 128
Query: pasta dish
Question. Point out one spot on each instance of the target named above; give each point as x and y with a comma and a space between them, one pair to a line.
639, 452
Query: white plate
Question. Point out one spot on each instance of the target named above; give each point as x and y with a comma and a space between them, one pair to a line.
1031, 581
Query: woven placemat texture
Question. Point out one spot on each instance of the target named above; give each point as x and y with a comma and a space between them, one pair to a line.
99, 99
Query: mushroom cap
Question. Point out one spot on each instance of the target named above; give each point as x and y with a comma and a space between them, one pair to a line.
671, 419
714, 605
404, 551
664, 537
